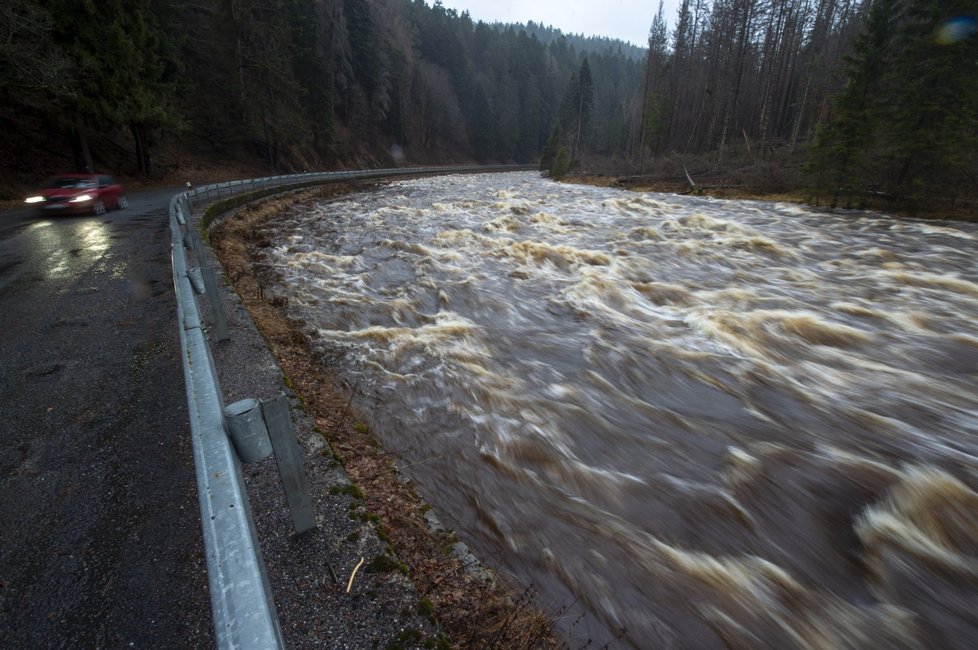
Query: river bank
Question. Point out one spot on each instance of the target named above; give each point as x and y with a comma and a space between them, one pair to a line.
473, 606
962, 210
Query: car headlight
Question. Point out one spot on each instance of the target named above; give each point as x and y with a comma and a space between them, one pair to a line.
81, 198
34, 199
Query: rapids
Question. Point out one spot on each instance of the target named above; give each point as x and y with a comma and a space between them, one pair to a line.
706, 423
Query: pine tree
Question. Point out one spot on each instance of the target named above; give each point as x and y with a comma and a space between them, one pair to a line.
550, 149
842, 159
906, 123
576, 108
585, 104
312, 72
123, 74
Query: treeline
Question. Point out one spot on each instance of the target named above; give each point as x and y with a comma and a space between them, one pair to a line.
878, 98
882, 94
760, 69
301, 83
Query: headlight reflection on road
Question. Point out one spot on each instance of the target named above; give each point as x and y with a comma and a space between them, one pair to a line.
95, 237
66, 245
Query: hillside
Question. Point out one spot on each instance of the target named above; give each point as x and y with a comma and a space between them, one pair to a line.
148, 89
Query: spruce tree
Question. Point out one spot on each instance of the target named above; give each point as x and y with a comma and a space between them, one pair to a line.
842, 161
585, 104
550, 149
906, 124
932, 130
561, 164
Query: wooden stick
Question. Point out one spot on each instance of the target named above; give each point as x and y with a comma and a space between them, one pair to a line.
349, 585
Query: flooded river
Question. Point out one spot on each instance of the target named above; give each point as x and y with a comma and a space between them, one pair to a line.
708, 423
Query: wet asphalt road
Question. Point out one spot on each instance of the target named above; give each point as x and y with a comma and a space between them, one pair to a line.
100, 543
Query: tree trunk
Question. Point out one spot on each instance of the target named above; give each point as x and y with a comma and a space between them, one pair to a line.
140, 138
644, 118
79, 147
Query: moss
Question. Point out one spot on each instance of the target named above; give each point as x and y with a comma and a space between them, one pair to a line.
438, 643
384, 564
406, 639
447, 542
360, 427
365, 515
426, 609
349, 489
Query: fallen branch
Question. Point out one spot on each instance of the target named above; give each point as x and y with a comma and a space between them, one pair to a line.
747, 142
692, 184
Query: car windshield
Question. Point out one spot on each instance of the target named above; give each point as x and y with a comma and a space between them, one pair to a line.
68, 182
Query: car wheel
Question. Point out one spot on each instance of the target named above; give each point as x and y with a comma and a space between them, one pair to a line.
99, 207
123, 203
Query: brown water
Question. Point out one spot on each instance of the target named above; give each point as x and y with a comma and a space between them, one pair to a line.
710, 423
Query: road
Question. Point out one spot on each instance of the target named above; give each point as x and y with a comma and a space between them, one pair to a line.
100, 543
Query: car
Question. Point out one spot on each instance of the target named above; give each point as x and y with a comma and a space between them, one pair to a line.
79, 193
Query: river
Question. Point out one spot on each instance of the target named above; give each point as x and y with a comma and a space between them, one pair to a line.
707, 423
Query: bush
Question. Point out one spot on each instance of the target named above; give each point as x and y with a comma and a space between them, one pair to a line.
561, 164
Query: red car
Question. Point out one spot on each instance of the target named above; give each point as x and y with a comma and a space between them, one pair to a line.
75, 193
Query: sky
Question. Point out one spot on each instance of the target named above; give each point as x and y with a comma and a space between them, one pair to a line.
628, 20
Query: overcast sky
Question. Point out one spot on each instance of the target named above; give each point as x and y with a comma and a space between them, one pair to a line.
628, 20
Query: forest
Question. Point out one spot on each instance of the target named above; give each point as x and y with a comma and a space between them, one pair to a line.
850, 101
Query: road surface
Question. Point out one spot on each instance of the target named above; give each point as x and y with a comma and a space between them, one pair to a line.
100, 541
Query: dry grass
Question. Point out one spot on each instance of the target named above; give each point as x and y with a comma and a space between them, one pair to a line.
474, 612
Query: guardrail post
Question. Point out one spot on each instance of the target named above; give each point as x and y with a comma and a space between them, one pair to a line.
221, 331
289, 461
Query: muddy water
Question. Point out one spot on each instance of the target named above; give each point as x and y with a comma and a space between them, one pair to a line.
708, 423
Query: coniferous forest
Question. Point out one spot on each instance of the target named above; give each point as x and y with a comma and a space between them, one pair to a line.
850, 101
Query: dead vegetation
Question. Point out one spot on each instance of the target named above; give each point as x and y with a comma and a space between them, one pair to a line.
475, 608
772, 173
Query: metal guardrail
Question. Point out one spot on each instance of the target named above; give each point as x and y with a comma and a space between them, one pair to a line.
241, 599
216, 191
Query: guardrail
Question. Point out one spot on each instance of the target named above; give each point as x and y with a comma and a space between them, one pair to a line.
241, 599
216, 191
